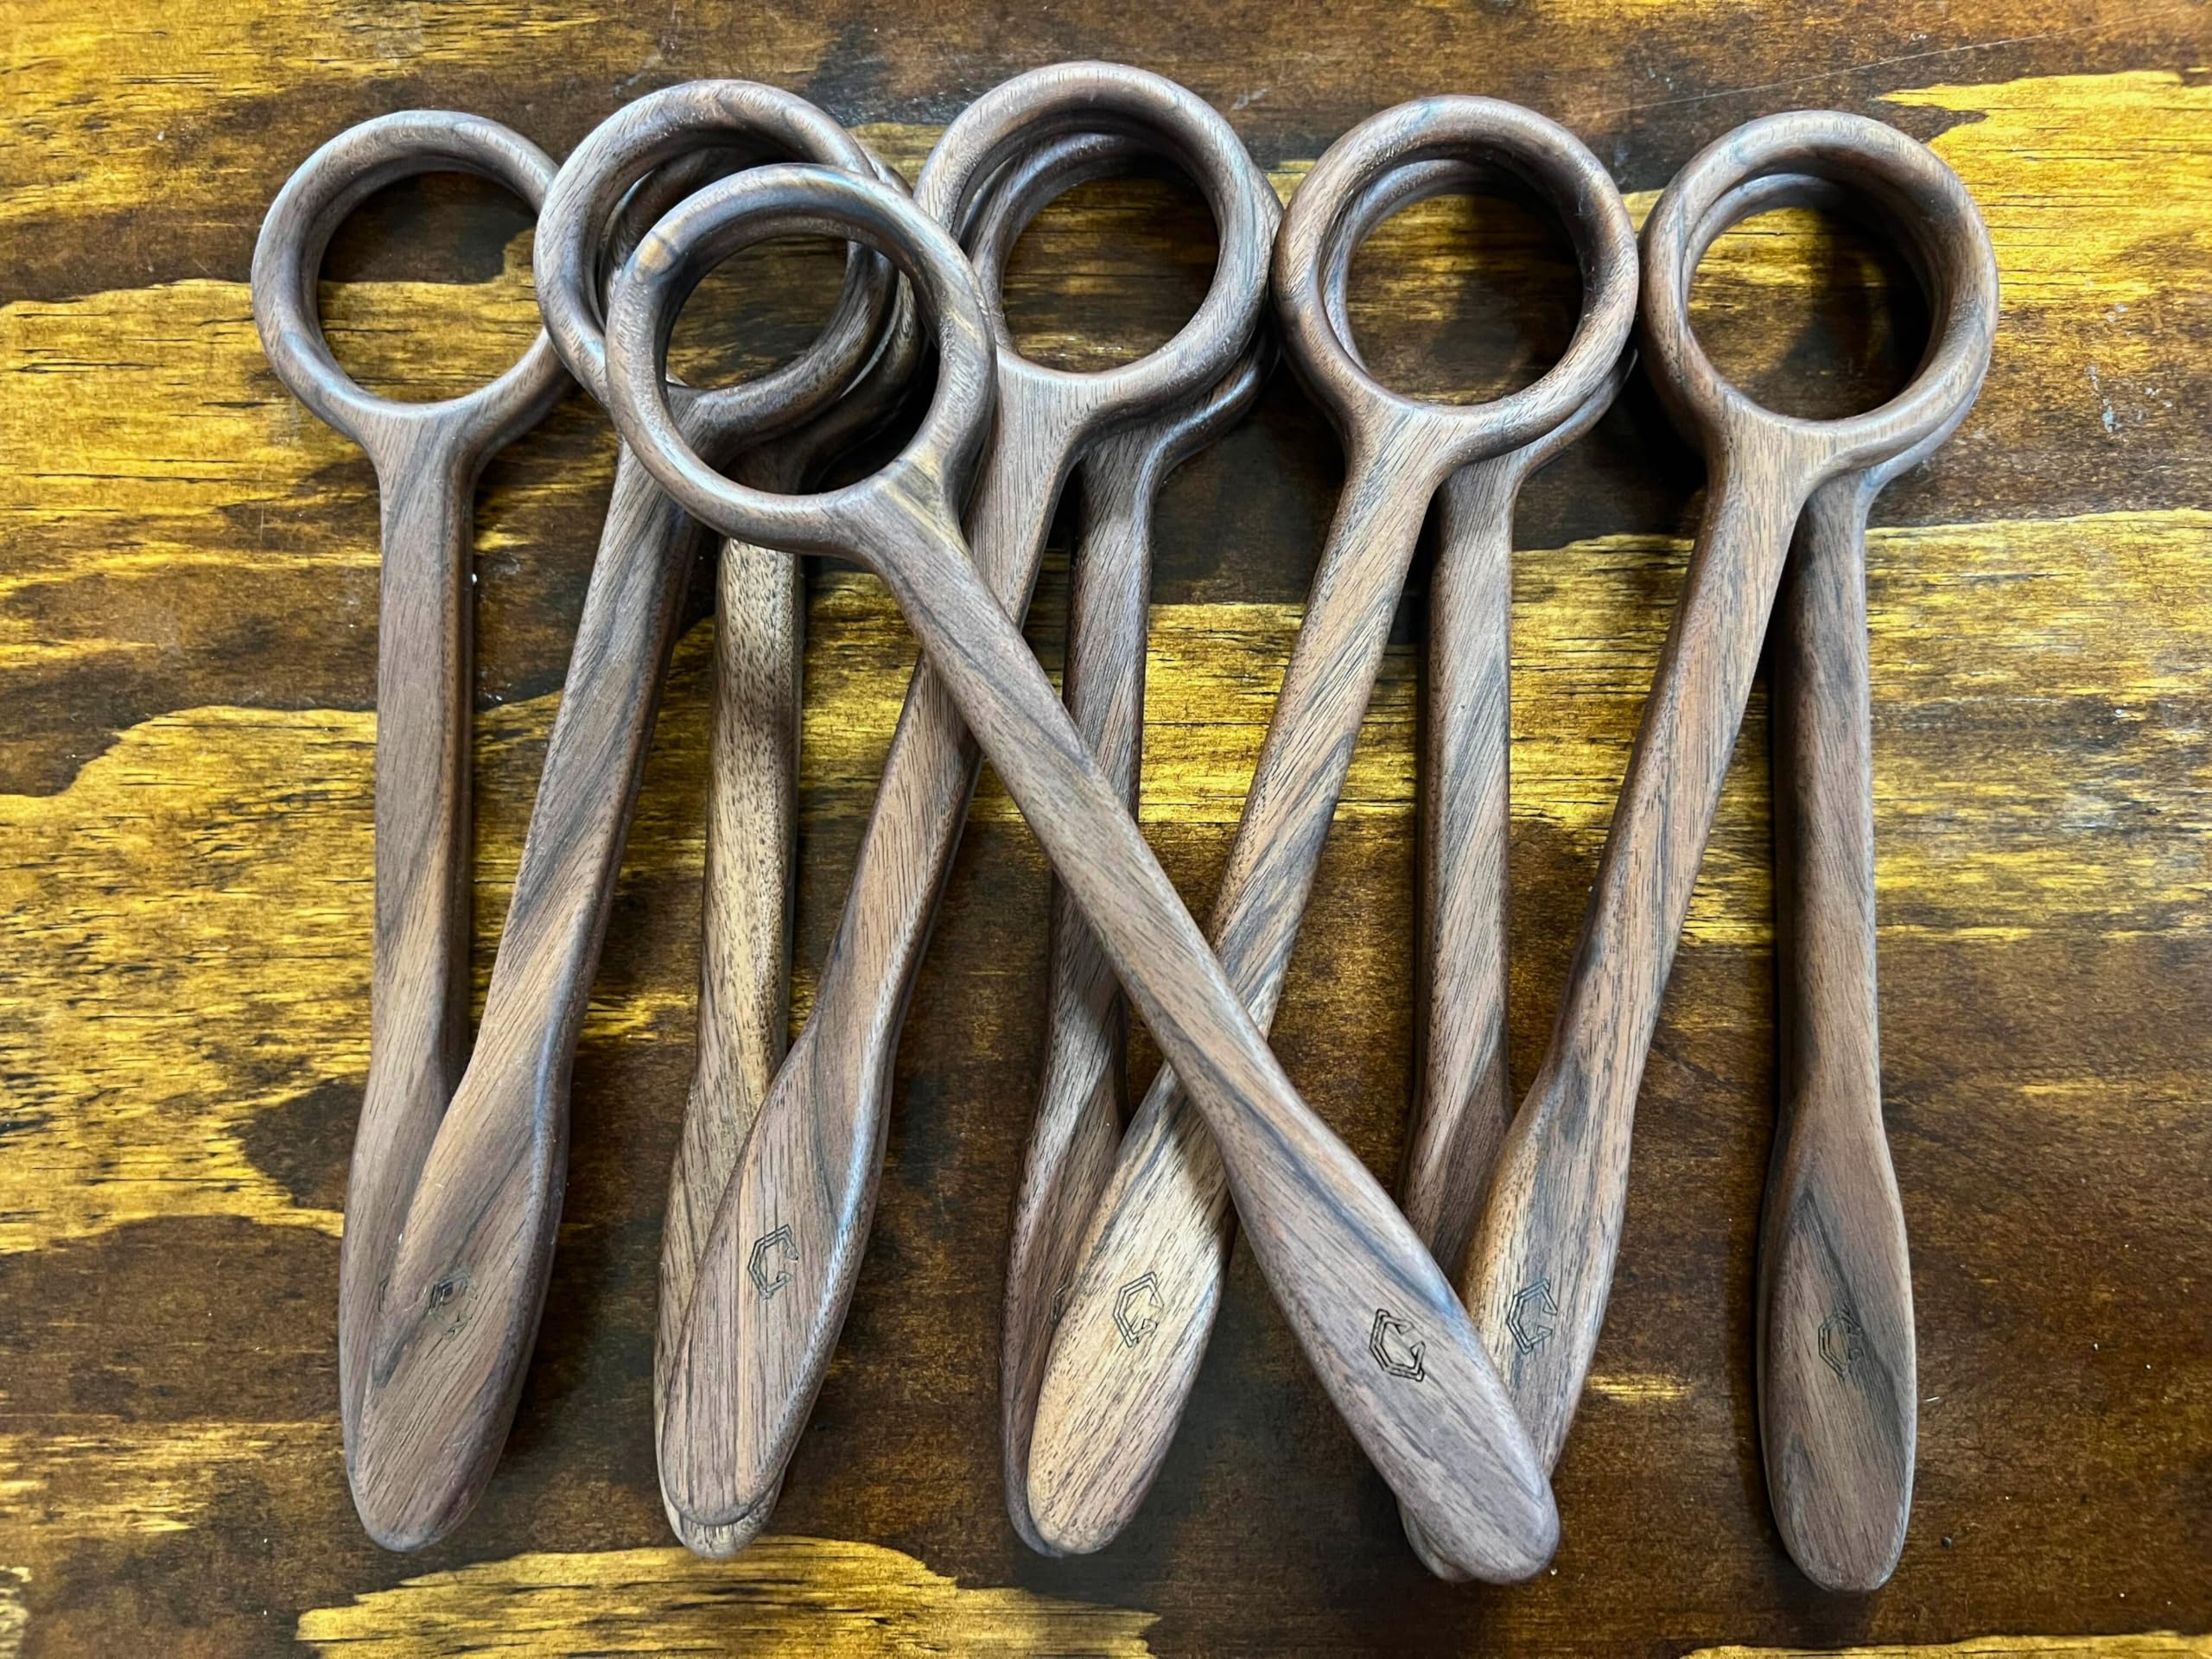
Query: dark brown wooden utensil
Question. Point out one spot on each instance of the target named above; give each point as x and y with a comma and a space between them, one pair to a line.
450, 1328
1135, 1324
1080, 1105
1083, 1091
428, 458
1542, 1258
795, 1222
1461, 1103
751, 811
1338, 1254
1838, 1369
745, 921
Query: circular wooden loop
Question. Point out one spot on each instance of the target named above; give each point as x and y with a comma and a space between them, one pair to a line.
624, 149
1164, 120
1911, 194
1016, 194
288, 263
1772, 191
755, 206
1422, 149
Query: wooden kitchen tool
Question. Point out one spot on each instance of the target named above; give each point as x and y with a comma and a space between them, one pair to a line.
448, 1322
428, 457
1837, 1363
1135, 1327
744, 1013
1836, 1344
1080, 1097
1338, 1254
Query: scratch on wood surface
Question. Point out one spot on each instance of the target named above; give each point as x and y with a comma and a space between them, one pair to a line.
798, 1596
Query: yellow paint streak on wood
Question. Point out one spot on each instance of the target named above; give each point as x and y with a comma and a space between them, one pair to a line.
189, 921
189, 946
196, 442
1639, 1387
795, 1596
143, 1017
2151, 1644
2088, 184
2093, 185
76, 1478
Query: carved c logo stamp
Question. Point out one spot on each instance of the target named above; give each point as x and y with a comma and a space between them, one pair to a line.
1843, 1341
756, 1265
1532, 1316
1137, 1309
1394, 1347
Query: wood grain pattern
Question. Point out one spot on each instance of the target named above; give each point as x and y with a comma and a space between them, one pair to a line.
1333, 1247
796, 1234
187, 667
428, 458
1082, 1093
1129, 1341
1539, 1272
745, 947
1839, 1383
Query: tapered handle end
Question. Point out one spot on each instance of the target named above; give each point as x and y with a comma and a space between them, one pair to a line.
1838, 1404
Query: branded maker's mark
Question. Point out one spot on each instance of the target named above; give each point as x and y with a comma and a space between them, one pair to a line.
1137, 1309
1843, 1341
1396, 1348
769, 1248
1532, 1316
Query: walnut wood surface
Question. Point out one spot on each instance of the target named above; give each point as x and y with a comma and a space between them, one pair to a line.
1115, 1379
1082, 1092
1838, 1393
743, 1017
1082, 1089
1461, 1107
428, 458
187, 686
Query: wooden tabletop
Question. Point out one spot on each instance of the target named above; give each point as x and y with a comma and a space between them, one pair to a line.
187, 634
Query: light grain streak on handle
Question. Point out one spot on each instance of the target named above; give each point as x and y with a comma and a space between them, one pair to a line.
1080, 1099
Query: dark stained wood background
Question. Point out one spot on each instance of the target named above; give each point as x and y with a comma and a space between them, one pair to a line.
188, 628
